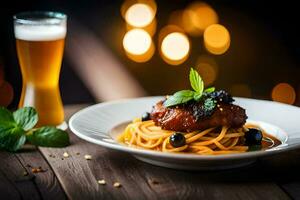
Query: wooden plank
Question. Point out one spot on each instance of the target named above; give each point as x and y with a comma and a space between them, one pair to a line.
286, 167
292, 188
46, 182
10, 171
143, 181
13, 183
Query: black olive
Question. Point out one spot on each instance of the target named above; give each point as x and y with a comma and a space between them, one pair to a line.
177, 139
253, 137
146, 116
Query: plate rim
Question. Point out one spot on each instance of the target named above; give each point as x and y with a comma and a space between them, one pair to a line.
157, 154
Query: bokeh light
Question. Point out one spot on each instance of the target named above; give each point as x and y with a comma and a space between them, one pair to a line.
6, 94
176, 18
137, 41
284, 93
128, 3
216, 39
139, 15
174, 45
207, 68
197, 17
241, 90
138, 45
151, 28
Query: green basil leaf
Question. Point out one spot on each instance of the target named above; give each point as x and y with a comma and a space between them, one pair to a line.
179, 97
197, 96
26, 117
48, 136
196, 81
184, 93
12, 138
6, 120
5, 116
209, 90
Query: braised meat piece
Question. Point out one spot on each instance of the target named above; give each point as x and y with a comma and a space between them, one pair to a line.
191, 116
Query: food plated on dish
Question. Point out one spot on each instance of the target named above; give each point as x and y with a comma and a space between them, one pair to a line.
200, 121
199, 129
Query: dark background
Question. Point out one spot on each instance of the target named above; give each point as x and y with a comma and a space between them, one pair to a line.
264, 46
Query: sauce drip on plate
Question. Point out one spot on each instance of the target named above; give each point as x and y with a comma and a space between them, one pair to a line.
268, 140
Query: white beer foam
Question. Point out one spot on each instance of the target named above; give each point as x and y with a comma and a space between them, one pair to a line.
40, 32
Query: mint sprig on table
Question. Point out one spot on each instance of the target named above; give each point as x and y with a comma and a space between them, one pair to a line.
18, 127
196, 94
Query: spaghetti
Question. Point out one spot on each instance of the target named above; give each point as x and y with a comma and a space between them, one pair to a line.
212, 141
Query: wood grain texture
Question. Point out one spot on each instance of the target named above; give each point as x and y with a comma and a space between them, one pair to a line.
13, 183
79, 177
273, 177
286, 169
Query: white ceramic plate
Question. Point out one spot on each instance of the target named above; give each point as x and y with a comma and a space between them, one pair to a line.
101, 123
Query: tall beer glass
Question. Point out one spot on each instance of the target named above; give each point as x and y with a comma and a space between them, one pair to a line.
40, 38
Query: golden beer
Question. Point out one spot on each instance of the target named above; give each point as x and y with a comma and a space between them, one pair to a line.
40, 50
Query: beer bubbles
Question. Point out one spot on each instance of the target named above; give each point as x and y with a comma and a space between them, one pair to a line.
138, 45
39, 32
40, 39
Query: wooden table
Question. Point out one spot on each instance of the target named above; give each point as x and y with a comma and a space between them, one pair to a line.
276, 177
